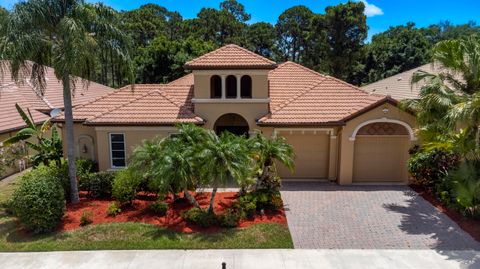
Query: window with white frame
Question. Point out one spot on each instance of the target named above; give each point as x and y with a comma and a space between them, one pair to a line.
117, 150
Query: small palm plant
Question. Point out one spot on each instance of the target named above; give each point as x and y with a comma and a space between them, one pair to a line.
223, 158
267, 152
46, 149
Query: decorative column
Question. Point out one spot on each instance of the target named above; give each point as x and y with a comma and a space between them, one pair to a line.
224, 77
239, 78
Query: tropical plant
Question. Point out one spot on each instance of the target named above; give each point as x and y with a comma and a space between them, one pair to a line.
125, 186
451, 99
266, 152
66, 36
467, 188
223, 158
428, 167
46, 149
171, 164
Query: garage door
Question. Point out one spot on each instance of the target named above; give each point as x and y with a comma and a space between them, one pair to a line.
381, 153
311, 161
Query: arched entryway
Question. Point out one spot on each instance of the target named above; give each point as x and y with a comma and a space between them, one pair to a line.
381, 151
232, 123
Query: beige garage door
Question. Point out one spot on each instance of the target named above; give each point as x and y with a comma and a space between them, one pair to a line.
380, 159
311, 160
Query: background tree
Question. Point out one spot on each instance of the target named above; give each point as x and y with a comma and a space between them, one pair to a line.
292, 29
396, 50
261, 39
60, 34
346, 31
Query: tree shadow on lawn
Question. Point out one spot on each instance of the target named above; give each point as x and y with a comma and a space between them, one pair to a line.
211, 237
419, 217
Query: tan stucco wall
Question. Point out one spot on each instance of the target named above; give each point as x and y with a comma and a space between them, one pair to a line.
83, 136
133, 138
249, 111
259, 81
347, 146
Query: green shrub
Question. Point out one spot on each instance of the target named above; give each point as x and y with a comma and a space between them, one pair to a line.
248, 205
39, 200
85, 167
263, 199
125, 185
429, 167
113, 209
230, 218
467, 188
200, 217
86, 218
98, 185
158, 207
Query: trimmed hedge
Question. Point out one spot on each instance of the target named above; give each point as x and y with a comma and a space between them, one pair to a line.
125, 186
39, 201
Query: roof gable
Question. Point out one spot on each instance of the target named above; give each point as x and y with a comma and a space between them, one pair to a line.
230, 57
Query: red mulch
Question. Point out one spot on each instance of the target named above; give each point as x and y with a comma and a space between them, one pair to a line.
138, 212
470, 226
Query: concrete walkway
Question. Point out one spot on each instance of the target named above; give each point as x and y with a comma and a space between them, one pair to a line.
325, 215
244, 259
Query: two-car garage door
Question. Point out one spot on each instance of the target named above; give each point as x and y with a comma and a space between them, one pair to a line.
312, 152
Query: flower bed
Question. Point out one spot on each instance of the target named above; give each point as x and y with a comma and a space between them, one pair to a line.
139, 212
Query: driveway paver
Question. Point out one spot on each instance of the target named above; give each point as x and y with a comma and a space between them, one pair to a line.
325, 215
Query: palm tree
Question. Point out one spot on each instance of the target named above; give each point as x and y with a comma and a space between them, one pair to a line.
63, 35
222, 158
451, 99
266, 152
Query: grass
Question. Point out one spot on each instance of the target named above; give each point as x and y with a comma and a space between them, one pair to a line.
133, 235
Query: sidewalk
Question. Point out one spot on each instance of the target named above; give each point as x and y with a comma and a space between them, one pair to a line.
244, 259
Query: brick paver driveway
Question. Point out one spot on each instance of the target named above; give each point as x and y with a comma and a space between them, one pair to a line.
326, 215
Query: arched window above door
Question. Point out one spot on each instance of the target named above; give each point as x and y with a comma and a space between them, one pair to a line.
231, 89
246, 87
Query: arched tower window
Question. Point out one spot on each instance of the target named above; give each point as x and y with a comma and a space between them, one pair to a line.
246, 87
215, 87
231, 86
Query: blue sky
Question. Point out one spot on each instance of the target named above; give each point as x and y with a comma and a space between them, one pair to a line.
381, 13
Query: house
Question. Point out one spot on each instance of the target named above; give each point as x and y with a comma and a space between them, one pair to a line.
27, 96
339, 132
400, 86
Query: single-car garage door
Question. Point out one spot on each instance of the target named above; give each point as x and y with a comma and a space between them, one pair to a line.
381, 153
311, 161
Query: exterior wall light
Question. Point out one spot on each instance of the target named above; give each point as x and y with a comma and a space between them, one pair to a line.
385, 110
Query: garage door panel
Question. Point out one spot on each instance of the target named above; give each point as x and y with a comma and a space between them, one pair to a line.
380, 159
311, 161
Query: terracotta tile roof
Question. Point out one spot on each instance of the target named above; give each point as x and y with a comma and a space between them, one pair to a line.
230, 57
181, 94
399, 86
152, 108
28, 96
302, 96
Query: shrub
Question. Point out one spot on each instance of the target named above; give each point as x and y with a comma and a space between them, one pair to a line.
125, 185
429, 167
230, 218
39, 200
467, 188
247, 205
86, 218
158, 207
264, 199
85, 167
200, 217
113, 209
98, 184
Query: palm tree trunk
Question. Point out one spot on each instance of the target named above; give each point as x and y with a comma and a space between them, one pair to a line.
478, 138
212, 200
72, 173
191, 199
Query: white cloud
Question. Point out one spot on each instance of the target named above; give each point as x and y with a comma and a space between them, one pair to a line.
371, 9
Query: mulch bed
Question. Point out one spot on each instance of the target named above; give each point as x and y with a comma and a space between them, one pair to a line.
138, 212
470, 226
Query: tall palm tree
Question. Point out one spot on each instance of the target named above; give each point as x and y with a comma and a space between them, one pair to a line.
61, 34
451, 99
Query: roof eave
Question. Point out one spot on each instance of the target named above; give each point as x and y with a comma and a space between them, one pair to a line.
230, 67
386, 100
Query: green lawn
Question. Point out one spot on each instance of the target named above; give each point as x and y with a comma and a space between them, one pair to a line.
136, 236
